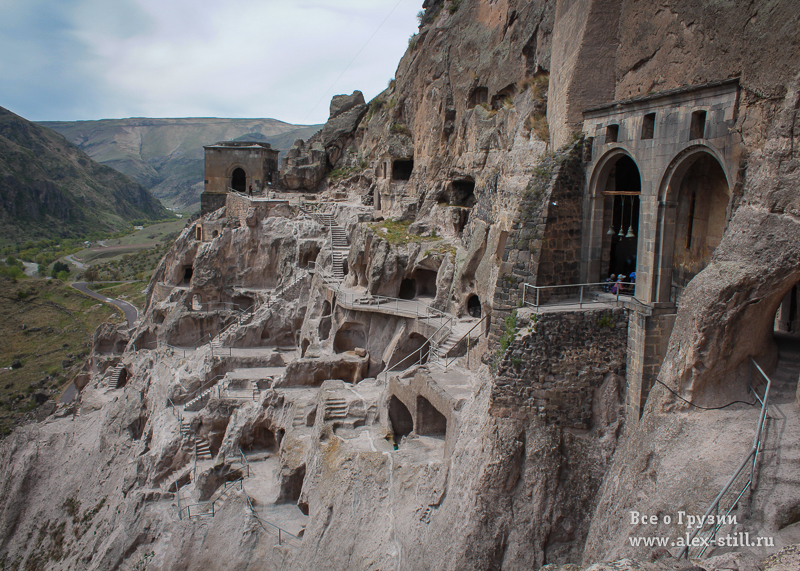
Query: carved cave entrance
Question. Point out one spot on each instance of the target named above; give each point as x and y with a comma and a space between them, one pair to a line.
410, 351
474, 306
430, 422
621, 218
349, 337
239, 180
402, 423
402, 169
408, 289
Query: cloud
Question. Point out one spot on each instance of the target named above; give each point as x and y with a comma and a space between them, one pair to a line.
89, 59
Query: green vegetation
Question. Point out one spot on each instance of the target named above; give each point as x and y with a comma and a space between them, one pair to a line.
454, 5
605, 320
400, 129
46, 330
375, 105
345, 172
412, 41
509, 334
538, 124
396, 232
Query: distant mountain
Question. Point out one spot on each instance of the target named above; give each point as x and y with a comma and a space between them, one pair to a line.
166, 155
49, 188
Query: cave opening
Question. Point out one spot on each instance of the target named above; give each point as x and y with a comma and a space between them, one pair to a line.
188, 272
408, 289
402, 169
400, 419
430, 422
462, 192
425, 282
478, 96
474, 306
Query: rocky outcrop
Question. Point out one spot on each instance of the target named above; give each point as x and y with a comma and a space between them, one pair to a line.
307, 163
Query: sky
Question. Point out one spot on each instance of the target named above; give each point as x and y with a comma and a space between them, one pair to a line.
69, 60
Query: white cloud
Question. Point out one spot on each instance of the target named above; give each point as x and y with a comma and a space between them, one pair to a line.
235, 58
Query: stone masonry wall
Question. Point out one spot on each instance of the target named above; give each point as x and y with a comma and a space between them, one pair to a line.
543, 247
554, 371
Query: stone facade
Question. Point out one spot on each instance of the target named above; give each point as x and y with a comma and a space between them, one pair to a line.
237, 165
553, 371
663, 175
544, 243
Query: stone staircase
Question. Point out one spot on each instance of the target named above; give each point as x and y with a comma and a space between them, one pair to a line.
203, 450
115, 379
199, 399
335, 408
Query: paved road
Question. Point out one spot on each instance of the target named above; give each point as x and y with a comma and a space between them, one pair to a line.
131, 313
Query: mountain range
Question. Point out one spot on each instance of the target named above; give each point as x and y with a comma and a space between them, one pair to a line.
49, 188
166, 155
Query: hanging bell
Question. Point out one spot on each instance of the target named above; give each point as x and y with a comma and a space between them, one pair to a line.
611, 231
630, 233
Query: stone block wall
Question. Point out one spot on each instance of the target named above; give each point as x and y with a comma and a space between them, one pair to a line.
553, 371
211, 201
543, 247
648, 339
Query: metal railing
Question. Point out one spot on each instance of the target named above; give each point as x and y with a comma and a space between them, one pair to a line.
207, 509
204, 386
449, 361
283, 535
583, 292
422, 355
704, 537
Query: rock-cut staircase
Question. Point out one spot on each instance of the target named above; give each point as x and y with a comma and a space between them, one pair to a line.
116, 379
335, 408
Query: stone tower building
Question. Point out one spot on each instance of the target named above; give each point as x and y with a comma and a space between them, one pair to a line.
235, 165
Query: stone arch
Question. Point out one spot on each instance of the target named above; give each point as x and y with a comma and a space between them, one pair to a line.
615, 191
350, 336
409, 351
694, 206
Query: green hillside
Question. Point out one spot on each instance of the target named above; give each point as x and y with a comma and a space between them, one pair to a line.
166, 155
49, 188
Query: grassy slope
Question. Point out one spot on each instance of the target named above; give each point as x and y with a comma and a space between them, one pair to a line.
51, 189
166, 155
58, 326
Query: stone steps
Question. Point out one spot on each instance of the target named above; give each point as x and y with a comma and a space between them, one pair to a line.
335, 408
116, 376
203, 450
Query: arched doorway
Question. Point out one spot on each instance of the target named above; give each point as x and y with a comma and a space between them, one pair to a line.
695, 193
700, 213
621, 201
474, 306
239, 180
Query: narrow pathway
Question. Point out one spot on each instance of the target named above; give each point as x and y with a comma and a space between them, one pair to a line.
130, 311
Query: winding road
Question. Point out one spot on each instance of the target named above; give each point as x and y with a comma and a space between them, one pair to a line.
130, 311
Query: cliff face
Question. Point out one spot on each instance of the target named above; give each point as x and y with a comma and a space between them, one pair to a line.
462, 180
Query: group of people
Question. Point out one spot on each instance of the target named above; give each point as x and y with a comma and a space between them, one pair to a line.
620, 283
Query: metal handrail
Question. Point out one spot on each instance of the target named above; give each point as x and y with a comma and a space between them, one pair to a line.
204, 386
467, 336
281, 531
422, 356
538, 289
751, 458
